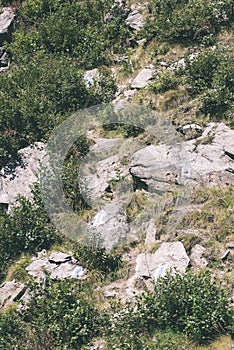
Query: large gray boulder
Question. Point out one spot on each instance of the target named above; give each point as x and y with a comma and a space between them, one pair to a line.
143, 77
58, 266
195, 162
98, 183
169, 257
109, 227
7, 16
18, 181
10, 292
198, 261
135, 20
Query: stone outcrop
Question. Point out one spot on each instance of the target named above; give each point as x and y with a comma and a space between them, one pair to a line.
143, 77
109, 227
10, 292
196, 162
7, 16
18, 181
169, 257
58, 266
135, 20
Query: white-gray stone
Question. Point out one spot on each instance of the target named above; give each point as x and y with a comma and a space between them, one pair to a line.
191, 127
169, 257
7, 16
197, 259
135, 20
90, 76
57, 265
109, 227
18, 181
143, 78
9, 292
197, 162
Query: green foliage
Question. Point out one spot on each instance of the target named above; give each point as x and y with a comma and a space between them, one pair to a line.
187, 21
27, 229
11, 328
36, 97
98, 259
60, 315
191, 304
66, 310
201, 70
74, 28
211, 73
164, 83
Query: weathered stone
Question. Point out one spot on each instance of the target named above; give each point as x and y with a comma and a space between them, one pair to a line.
59, 258
90, 76
109, 227
169, 257
197, 162
197, 260
135, 20
150, 232
225, 255
96, 184
6, 19
11, 291
143, 78
57, 265
18, 181
4, 58
191, 131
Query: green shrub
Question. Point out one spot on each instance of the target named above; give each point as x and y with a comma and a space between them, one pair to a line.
98, 259
26, 229
35, 98
60, 315
200, 71
11, 329
191, 304
187, 21
164, 83
75, 29
66, 310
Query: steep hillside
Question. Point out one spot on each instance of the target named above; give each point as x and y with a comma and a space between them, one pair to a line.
116, 188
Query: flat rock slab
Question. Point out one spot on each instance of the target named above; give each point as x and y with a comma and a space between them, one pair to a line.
18, 181
169, 257
196, 162
143, 78
109, 227
10, 292
135, 20
57, 265
59, 258
7, 16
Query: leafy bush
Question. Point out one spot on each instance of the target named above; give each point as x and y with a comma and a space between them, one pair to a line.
27, 229
164, 83
211, 73
98, 259
36, 97
60, 315
200, 71
189, 20
190, 304
66, 310
76, 29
